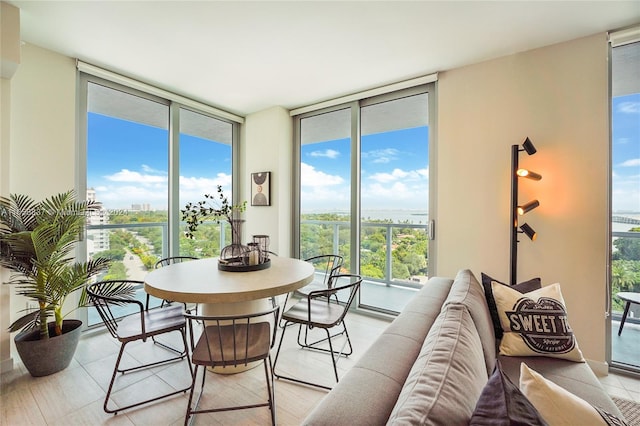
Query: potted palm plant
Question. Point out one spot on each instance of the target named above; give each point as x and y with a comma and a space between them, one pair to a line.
36, 244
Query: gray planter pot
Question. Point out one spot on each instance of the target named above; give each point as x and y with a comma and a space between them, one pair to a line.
48, 356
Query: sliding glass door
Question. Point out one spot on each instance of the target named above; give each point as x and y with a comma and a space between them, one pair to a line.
364, 192
625, 199
395, 200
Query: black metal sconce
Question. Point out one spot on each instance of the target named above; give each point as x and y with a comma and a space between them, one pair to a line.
519, 210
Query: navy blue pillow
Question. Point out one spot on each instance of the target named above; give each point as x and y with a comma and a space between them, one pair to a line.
523, 287
502, 403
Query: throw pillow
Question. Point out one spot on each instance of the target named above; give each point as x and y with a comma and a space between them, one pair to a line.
523, 287
535, 323
502, 403
557, 405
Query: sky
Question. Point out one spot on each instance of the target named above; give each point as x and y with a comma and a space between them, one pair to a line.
128, 164
625, 139
394, 169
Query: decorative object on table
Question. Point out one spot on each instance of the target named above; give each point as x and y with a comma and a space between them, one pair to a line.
37, 240
254, 254
217, 208
261, 189
519, 210
263, 245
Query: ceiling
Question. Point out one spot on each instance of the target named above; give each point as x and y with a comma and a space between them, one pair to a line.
246, 56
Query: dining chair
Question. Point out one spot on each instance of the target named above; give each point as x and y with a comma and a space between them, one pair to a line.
232, 341
322, 309
111, 298
168, 304
170, 261
325, 265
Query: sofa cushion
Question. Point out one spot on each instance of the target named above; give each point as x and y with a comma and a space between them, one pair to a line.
381, 371
447, 377
559, 406
501, 403
535, 323
523, 287
576, 377
466, 290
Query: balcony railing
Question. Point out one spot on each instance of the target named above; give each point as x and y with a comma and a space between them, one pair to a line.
391, 232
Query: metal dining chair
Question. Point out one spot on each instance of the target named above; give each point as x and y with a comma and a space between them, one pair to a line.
170, 261
232, 341
108, 297
322, 309
325, 265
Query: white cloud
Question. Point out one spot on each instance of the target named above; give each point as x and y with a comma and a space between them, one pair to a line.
381, 156
328, 153
315, 178
126, 175
633, 162
399, 174
629, 107
192, 189
149, 169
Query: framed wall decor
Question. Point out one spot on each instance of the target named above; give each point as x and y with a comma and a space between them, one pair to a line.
261, 189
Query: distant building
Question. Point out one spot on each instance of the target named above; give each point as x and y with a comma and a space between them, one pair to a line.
144, 207
97, 239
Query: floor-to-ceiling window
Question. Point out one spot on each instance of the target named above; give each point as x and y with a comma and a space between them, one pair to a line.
625, 202
364, 191
145, 157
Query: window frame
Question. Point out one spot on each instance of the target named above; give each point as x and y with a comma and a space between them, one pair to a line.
355, 106
172, 246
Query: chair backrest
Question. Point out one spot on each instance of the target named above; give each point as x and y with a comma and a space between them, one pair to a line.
328, 265
112, 295
232, 340
173, 259
343, 289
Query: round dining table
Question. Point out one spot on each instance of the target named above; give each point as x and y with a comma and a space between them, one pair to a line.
220, 292
225, 292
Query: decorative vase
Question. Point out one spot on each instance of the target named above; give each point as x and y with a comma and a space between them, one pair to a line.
236, 253
43, 357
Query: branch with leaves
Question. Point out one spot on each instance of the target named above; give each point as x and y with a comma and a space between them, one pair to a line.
213, 207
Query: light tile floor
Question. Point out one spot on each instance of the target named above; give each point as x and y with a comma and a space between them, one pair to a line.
75, 396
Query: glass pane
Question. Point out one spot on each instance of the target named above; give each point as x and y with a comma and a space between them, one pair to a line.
205, 163
325, 189
127, 169
625, 262
394, 199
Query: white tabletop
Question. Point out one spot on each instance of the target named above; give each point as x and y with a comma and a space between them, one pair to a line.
200, 281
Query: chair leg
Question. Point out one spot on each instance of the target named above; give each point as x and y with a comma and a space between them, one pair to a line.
271, 390
624, 316
333, 359
284, 307
117, 370
330, 350
191, 390
313, 345
113, 379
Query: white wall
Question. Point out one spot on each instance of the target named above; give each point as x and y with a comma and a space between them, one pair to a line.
558, 97
6, 361
267, 147
43, 123
10, 59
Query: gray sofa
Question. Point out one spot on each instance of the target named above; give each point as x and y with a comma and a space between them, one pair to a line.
431, 363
